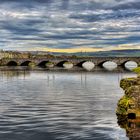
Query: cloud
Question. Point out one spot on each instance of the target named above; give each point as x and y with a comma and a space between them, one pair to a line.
68, 25
135, 46
128, 4
87, 49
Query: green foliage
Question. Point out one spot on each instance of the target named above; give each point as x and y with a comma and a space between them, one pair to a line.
129, 103
123, 105
49, 64
73, 56
124, 101
133, 91
67, 63
127, 82
136, 70
31, 64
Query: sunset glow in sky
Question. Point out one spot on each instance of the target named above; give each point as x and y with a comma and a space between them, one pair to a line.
69, 25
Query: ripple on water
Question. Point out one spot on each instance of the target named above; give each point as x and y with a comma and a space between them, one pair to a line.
77, 106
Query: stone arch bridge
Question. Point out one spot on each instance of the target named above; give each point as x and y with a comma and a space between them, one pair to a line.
98, 61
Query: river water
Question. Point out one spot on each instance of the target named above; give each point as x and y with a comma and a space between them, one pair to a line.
43, 105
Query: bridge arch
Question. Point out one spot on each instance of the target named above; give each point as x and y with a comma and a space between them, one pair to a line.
65, 64
80, 63
127, 61
42, 63
12, 63
60, 64
101, 64
45, 64
25, 63
109, 65
87, 65
129, 64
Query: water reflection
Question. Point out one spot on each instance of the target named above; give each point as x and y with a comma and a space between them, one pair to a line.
14, 73
60, 106
130, 65
110, 65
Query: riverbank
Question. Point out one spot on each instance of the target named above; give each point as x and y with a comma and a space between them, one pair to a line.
128, 109
129, 104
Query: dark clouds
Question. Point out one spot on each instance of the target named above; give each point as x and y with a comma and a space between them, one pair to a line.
64, 24
127, 5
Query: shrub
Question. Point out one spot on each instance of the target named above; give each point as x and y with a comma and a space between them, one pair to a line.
136, 70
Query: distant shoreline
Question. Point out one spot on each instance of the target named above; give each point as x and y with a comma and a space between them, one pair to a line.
111, 53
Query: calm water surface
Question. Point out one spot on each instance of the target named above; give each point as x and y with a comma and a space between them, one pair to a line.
60, 105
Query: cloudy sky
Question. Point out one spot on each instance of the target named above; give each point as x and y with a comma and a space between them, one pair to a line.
69, 25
